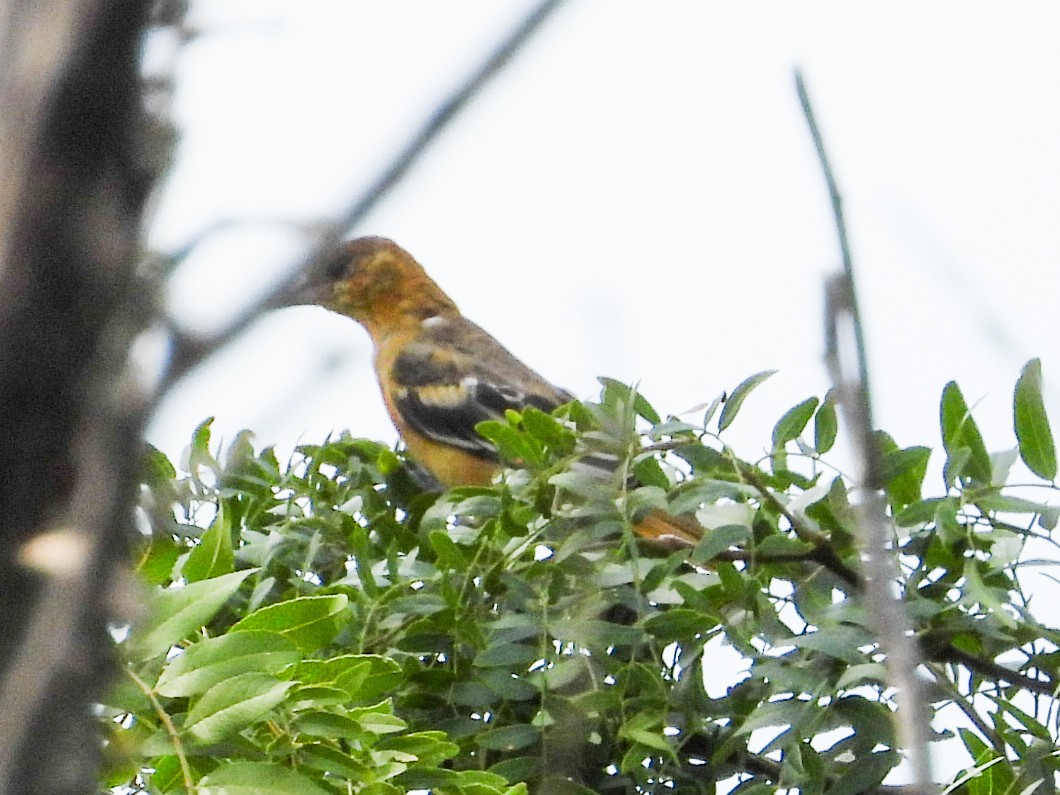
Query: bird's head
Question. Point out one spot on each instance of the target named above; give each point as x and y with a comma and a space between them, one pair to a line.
375, 282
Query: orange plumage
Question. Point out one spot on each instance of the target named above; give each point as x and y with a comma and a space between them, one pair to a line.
440, 374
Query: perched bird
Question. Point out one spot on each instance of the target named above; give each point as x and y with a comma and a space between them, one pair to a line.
440, 374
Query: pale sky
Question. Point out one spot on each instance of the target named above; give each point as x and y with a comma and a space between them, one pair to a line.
636, 196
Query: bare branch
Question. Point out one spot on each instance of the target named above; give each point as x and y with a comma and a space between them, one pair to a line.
843, 325
189, 352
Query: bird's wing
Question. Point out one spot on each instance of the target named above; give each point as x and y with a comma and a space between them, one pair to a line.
454, 376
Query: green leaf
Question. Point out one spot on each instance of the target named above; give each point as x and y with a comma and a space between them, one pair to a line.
616, 389
872, 672
519, 768
382, 677
199, 451
348, 671
200, 437
649, 472
430, 778
865, 775
469, 782
213, 555
472, 694
718, 540
513, 445
382, 788
738, 396
583, 484
176, 613
429, 747
841, 642
233, 705
978, 750
793, 422
257, 778
378, 719
157, 560
506, 655
507, 685
678, 624
204, 664
317, 696
318, 756
1032, 425
562, 673
989, 598
825, 426
329, 725
508, 738
1027, 721
959, 432
1011, 504
712, 409
778, 544
903, 474
788, 711
450, 556
920, 512
167, 775
649, 739
592, 632
158, 469
309, 621
991, 773
563, 786
240, 454
548, 430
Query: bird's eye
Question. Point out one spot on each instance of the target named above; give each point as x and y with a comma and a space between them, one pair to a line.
336, 268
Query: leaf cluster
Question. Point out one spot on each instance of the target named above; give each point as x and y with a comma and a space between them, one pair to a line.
331, 626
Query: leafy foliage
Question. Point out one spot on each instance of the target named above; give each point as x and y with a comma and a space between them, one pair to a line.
330, 626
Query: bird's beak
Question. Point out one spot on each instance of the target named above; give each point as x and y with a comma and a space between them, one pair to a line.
308, 288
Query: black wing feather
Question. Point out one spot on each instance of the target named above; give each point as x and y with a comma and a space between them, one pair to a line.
447, 384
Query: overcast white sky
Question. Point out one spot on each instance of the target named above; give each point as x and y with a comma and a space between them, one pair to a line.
635, 196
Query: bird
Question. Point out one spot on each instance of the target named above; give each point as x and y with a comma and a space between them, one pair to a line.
440, 374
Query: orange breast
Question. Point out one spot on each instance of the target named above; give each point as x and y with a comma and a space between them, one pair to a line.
450, 465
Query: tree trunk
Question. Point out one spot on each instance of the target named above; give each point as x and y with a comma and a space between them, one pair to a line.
71, 195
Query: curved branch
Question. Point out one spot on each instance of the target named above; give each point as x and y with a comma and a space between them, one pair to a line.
190, 351
823, 551
951, 654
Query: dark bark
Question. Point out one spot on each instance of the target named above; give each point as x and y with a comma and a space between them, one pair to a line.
70, 203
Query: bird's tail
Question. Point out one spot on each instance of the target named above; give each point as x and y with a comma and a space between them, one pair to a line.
668, 531
656, 526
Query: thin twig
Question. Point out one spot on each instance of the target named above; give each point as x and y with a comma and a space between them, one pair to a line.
190, 351
958, 699
993, 670
843, 321
698, 746
171, 729
750, 556
823, 552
